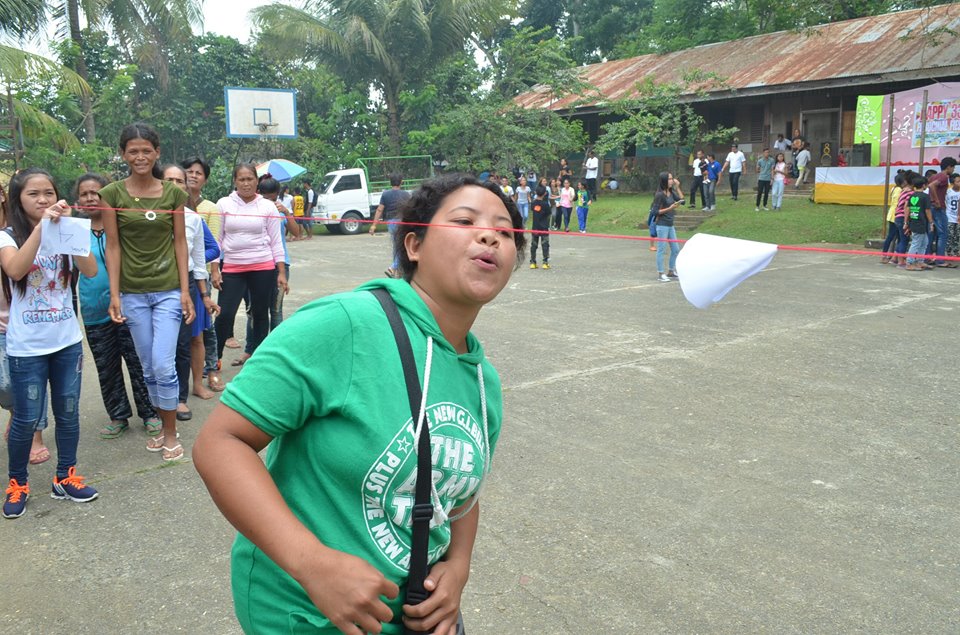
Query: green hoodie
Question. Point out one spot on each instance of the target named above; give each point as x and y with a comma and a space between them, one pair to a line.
343, 454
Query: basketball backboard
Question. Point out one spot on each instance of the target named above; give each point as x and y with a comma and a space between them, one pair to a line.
260, 112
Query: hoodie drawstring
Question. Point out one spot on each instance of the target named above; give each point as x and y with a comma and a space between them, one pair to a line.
439, 515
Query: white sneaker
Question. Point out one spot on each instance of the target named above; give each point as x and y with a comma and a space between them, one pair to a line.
757, 209
663, 278
766, 209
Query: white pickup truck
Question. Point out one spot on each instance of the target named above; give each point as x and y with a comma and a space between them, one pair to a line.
346, 198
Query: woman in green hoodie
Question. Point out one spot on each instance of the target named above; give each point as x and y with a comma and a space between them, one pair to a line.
325, 524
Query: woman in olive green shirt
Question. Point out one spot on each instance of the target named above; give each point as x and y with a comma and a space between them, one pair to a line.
148, 273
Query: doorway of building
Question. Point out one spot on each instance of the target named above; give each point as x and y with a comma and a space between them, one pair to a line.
822, 129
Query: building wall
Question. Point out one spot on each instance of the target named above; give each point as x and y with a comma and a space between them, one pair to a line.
759, 119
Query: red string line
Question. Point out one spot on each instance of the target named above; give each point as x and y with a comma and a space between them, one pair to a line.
543, 232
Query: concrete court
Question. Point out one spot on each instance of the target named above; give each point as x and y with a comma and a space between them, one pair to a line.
784, 462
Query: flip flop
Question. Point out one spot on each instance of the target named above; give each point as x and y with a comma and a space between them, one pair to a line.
41, 455
173, 454
216, 383
155, 444
184, 416
239, 361
232, 343
113, 429
153, 426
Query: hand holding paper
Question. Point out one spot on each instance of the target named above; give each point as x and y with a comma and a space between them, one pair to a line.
69, 236
710, 266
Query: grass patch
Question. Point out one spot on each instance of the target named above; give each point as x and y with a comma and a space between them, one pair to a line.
799, 222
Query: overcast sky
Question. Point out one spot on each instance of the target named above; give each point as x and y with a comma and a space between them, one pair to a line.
229, 17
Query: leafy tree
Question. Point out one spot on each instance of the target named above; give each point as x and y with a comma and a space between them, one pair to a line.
493, 135
526, 59
594, 30
66, 163
385, 42
661, 116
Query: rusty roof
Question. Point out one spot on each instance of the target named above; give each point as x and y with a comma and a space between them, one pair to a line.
884, 48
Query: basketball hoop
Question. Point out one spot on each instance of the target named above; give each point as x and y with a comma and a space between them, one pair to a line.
265, 130
267, 114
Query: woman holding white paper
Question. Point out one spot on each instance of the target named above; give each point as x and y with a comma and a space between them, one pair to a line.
665, 203
43, 339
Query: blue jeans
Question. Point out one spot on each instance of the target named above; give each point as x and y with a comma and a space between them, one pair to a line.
940, 227
918, 246
710, 194
777, 194
6, 390
904, 239
210, 360
524, 211
893, 236
154, 321
667, 233
29, 377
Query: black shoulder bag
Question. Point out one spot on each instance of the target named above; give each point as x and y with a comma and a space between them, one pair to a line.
422, 508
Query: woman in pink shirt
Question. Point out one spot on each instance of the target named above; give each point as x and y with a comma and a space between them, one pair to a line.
252, 248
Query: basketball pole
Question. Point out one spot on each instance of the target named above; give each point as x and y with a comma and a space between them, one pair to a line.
236, 158
886, 179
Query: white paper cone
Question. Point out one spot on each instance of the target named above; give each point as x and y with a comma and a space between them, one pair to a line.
709, 267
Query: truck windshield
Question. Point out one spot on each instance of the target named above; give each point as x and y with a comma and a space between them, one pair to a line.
327, 180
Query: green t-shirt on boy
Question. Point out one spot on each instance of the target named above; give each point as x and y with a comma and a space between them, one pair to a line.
149, 261
343, 454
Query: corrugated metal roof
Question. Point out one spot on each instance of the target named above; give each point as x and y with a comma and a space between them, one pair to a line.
865, 50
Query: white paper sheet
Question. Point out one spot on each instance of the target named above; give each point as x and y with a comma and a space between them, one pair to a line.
70, 236
709, 267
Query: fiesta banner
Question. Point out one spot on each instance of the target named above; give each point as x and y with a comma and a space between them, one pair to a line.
943, 123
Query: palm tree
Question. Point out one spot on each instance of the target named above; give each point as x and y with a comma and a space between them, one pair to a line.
19, 17
146, 30
17, 65
385, 42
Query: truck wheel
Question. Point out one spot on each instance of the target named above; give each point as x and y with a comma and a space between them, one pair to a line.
334, 229
350, 223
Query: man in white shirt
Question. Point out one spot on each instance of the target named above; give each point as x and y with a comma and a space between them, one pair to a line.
697, 184
737, 162
592, 166
780, 145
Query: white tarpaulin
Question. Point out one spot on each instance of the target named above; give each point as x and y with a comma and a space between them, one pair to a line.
851, 186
